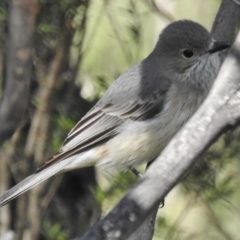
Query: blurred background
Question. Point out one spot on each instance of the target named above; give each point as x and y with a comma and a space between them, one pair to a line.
78, 48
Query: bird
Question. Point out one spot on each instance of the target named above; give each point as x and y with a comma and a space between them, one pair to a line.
143, 108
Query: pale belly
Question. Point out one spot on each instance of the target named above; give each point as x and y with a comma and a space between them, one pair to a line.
141, 142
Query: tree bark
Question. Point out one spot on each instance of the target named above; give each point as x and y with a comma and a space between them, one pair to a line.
19, 65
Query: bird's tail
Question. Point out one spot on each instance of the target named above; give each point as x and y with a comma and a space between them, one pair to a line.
31, 181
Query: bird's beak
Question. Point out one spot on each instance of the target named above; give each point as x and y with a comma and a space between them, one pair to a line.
216, 46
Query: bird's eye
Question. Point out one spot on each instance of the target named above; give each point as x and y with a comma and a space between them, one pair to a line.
187, 53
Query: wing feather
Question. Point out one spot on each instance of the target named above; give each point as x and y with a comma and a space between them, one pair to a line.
102, 123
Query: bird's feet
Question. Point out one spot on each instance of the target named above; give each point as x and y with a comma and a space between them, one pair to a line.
139, 175
135, 172
162, 203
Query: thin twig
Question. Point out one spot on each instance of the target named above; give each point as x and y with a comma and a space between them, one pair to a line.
215, 220
162, 11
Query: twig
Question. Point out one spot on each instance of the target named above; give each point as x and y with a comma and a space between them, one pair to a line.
216, 221
18, 66
162, 11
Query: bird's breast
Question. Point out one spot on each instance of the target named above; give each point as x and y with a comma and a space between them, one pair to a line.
142, 141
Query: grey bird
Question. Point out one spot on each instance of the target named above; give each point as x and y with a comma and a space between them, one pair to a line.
142, 109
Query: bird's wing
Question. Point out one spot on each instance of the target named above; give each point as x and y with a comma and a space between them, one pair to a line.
102, 123
31, 181
99, 125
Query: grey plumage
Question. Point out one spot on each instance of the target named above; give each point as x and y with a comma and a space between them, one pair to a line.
142, 109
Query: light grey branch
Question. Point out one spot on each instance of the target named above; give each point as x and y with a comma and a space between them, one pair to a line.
18, 65
236, 2
226, 22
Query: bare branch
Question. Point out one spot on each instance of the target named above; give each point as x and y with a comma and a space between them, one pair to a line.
146, 229
19, 65
226, 21
162, 11
236, 2
37, 137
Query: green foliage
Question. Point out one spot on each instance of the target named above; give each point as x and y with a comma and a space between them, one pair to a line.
63, 126
54, 232
120, 183
2, 14
112, 42
46, 28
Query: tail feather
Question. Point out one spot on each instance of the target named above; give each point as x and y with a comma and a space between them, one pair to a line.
31, 181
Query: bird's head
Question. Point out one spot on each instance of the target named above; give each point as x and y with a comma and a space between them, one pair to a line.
184, 46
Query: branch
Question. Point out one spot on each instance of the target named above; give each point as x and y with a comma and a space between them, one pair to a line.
146, 229
220, 110
162, 11
19, 66
226, 21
